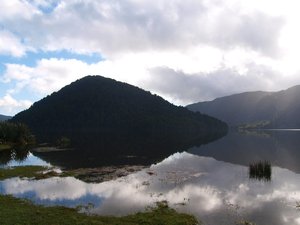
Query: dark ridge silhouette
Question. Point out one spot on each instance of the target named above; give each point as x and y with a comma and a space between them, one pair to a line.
3, 117
97, 113
256, 109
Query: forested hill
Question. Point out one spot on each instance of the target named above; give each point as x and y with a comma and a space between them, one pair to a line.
3, 118
256, 109
95, 108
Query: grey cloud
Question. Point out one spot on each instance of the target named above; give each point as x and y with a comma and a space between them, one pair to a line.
190, 88
115, 26
257, 31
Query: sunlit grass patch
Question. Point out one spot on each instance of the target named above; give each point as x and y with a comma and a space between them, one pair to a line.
22, 171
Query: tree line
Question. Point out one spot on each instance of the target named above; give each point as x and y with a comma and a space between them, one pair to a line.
15, 133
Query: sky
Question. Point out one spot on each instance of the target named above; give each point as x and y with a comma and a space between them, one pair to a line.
183, 50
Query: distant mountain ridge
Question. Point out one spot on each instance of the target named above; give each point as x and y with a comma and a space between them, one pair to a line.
257, 109
96, 110
3, 117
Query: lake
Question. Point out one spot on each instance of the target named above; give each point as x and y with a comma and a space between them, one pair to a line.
210, 181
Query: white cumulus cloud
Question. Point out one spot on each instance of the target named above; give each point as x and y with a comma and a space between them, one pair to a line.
11, 45
9, 105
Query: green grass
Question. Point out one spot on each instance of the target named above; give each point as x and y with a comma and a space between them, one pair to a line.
21, 212
22, 171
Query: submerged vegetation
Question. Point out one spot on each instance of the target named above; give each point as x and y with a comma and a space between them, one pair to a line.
254, 125
88, 175
244, 222
261, 170
19, 211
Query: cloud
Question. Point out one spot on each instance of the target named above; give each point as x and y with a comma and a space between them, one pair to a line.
213, 47
47, 76
185, 88
11, 45
44, 3
256, 31
113, 27
176, 77
9, 105
16, 10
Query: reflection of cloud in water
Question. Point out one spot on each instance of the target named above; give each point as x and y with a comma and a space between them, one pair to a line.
214, 191
51, 189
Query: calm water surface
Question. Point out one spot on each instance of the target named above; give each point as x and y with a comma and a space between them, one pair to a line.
280, 147
210, 182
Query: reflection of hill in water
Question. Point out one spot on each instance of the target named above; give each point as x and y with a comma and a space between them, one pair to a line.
281, 148
113, 150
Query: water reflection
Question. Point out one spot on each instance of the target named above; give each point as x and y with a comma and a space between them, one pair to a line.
128, 150
19, 156
279, 147
214, 191
109, 150
261, 170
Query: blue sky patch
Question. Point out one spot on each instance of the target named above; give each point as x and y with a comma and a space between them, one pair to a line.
46, 9
31, 58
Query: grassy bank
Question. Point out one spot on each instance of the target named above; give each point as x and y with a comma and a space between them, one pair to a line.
22, 171
35, 172
18, 211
